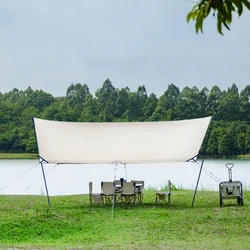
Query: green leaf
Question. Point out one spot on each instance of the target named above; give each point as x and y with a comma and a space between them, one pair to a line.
190, 15
193, 13
225, 24
226, 11
238, 4
219, 21
208, 9
223, 9
246, 3
199, 22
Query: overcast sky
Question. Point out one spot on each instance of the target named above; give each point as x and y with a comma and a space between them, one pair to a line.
50, 44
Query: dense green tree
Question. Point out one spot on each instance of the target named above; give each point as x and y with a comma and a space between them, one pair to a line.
73, 104
230, 134
122, 102
76, 93
192, 103
57, 110
241, 130
137, 101
13, 96
5, 112
202, 103
213, 100
91, 110
245, 104
39, 99
7, 140
10, 121
247, 139
50, 112
106, 99
229, 106
168, 105
224, 142
231, 131
212, 149
150, 106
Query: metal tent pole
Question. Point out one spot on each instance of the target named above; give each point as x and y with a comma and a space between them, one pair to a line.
41, 162
45, 183
197, 184
125, 168
198, 180
113, 202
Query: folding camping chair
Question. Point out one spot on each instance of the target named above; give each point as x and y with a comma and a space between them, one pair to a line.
139, 190
161, 197
94, 197
107, 192
128, 194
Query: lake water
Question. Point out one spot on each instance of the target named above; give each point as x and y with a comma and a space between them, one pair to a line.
25, 176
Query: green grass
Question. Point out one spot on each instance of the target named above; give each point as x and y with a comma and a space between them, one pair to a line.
18, 156
28, 222
244, 157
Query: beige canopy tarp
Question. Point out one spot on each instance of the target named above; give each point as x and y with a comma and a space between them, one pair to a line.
125, 142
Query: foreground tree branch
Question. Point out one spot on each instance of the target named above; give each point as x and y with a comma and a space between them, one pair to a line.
222, 10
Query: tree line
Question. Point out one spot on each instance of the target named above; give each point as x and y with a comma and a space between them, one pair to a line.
230, 134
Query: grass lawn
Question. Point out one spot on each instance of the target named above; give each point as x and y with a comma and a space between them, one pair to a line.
18, 156
27, 222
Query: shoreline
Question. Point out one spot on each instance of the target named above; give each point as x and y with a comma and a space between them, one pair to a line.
6, 156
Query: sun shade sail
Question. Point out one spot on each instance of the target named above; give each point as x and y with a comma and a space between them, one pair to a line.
126, 142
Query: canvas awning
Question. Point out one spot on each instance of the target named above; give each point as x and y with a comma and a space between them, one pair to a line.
125, 142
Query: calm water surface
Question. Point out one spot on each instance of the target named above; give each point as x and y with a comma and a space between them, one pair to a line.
25, 176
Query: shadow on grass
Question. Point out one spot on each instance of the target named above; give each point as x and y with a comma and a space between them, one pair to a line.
179, 200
